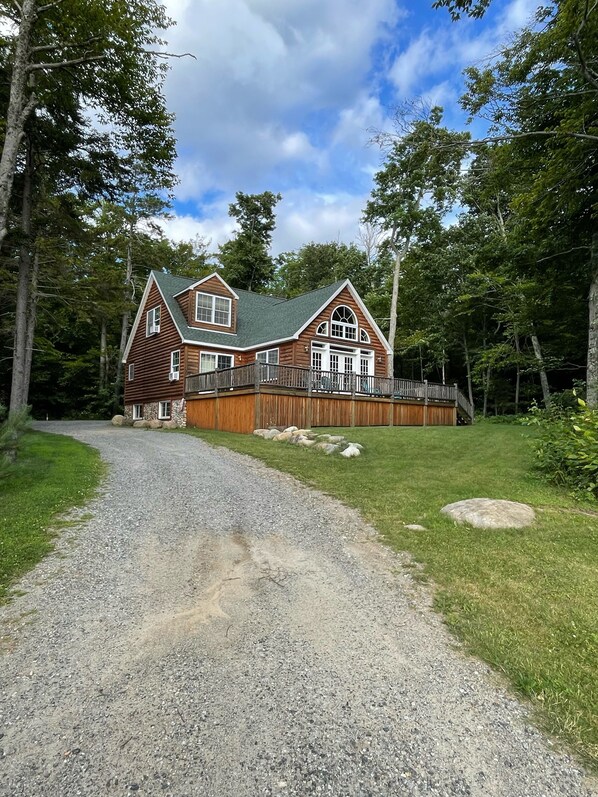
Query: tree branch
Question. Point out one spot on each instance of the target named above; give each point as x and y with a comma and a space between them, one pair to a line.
590, 75
63, 46
566, 252
48, 6
169, 55
85, 59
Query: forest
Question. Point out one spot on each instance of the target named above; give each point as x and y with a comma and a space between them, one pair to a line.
478, 257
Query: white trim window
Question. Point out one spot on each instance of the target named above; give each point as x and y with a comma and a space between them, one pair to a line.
175, 361
152, 321
343, 323
270, 356
164, 410
364, 336
137, 412
322, 329
209, 361
210, 309
131, 372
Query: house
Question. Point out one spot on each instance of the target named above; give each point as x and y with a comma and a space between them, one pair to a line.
326, 339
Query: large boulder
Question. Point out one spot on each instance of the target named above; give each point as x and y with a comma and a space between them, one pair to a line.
270, 434
140, 424
291, 429
283, 437
155, 424
170, 424
260, 432
490, 513
118, 420
327, 448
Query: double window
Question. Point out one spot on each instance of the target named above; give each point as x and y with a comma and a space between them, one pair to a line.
270, 356
344, 323
152, 321
211, 362
213, 309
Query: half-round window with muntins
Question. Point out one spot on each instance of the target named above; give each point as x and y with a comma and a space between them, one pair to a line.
343, 323
322, 329
364, 337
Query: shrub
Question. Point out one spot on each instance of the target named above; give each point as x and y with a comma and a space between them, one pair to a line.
567, 447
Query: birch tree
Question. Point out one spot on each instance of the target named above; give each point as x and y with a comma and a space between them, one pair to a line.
413, 190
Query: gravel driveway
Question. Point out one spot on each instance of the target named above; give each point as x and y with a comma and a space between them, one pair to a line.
216, 629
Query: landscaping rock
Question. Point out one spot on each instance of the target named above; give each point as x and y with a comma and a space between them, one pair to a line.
351, 451
260, 432
306, 442
283, 437
170, 425
155, 424
415, 527
490, 513
291, 429
118, 420
357, 445
335, 439
271, 434
327, 448
140, 424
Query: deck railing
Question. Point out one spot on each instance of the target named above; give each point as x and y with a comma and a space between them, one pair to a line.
314, 380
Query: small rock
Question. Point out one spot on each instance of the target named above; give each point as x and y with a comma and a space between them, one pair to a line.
336, 439
271, 434
291, 429
351, 451
415, 527
260, 432
357, 445
118, 420
283, 437
306, 442
327, 448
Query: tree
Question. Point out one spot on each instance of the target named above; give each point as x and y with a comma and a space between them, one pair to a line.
414, 189
245, 259
319, 264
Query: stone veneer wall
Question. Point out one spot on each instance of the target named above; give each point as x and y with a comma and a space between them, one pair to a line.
178, 412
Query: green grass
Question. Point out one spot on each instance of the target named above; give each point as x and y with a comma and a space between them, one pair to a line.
526, 601
54, 474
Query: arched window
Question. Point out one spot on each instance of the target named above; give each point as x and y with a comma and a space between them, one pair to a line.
344, 323
322, 329
364, 337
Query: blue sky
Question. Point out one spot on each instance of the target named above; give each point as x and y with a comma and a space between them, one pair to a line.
284, 95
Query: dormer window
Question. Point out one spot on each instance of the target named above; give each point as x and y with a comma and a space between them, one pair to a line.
322, 328
211, 309
344, 323
152, 323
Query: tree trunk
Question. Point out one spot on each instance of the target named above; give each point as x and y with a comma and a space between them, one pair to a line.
103, 356
541, 369
31, 323
18, 399
443, 368
518, 375
468, 368
392, 331
486, 391
20, 105
592, 367
126, 318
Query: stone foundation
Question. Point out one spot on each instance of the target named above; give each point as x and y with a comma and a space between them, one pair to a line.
178, 412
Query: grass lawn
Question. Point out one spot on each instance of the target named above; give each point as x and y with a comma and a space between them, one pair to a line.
55, 473
526, 601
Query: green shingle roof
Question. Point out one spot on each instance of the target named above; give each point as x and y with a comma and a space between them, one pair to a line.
260, 318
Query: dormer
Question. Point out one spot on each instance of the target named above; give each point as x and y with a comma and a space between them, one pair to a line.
210, 304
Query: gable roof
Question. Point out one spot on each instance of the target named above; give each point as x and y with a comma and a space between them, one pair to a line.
260, 319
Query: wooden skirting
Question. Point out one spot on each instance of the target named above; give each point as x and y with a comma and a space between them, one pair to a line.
245, 410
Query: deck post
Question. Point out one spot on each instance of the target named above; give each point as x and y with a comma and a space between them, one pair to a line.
258, 398
309, 414
456, 404
352, 399
425, 402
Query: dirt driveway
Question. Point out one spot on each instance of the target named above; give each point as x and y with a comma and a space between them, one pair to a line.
215, 629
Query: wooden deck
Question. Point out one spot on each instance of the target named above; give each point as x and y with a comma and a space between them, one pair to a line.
257, 396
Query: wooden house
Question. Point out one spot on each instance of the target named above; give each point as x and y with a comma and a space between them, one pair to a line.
203, 353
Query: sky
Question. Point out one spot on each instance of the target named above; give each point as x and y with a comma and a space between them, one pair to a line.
286, 95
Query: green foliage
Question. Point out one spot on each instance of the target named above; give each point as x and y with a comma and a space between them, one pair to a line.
245, 259
319, 264
567, 445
